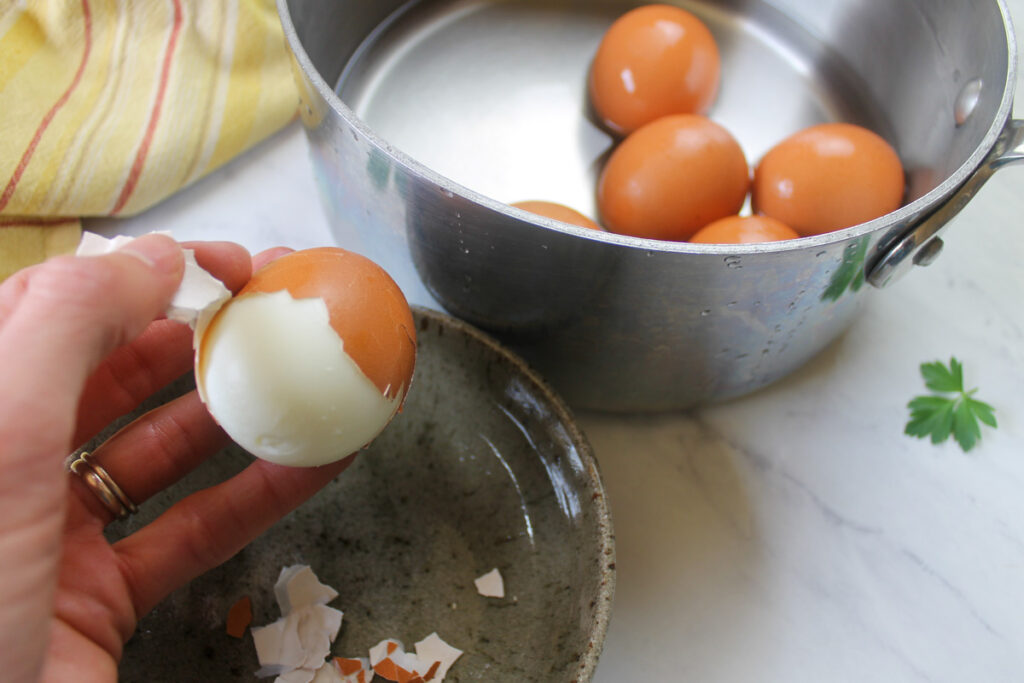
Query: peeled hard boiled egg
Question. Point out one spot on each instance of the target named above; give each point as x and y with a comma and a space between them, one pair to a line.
310, 360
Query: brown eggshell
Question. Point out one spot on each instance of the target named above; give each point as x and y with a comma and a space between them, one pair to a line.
828, 177
671, 178
654, 61
557, 211
367, 309
744, 230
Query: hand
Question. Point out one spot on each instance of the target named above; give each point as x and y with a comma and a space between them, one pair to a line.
79, 346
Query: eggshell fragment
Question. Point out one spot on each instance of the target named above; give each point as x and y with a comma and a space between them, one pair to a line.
295, 646
292, 647
300, 640
490, 585
350, 670
239, 617
297, 676
297, 586
200, 295
431, 662
390, 661
433, 649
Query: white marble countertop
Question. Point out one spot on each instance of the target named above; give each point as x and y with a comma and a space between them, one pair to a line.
795, 534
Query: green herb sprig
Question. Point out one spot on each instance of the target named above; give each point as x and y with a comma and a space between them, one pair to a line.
950, 409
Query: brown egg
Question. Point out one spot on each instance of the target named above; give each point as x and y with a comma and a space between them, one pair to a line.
367, 309
671, 178
744, 230
828, 177
558, 212
310, 360
653, 61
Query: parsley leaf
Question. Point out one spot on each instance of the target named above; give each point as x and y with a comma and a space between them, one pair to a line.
950, 410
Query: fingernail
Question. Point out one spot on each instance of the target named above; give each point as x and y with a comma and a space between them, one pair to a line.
158, 252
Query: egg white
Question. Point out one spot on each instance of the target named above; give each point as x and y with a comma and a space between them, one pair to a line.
277, 378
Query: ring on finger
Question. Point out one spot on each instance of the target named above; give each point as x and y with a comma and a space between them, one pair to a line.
102, 485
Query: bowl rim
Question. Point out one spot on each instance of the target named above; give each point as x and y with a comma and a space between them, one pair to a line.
905, 215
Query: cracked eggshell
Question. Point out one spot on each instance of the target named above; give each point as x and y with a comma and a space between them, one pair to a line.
434, 649
312, 358
297, 586
348, 670
491, 584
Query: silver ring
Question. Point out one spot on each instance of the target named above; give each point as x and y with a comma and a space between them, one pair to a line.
102, 485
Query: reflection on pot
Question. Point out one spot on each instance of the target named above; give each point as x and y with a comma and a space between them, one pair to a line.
850, 274
507, 276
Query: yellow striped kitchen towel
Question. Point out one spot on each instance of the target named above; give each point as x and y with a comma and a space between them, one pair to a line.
109, 106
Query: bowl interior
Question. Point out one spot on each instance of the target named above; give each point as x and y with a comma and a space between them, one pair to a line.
483, 469
491, 93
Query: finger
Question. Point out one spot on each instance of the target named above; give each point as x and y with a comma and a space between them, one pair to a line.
229, 262
173, 439
149, 454
131, 373
267, 255
11, 291
70, 313
161, 354
207, 528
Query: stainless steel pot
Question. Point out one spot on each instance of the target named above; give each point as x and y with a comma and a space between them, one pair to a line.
425, 118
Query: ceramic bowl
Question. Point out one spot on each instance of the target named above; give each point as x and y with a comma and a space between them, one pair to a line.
483, 469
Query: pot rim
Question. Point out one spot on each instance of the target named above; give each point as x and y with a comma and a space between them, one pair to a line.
921, 206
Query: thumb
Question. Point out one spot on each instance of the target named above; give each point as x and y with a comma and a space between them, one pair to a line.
64, 316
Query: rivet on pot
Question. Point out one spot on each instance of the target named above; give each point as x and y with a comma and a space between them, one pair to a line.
967, 101
928, 252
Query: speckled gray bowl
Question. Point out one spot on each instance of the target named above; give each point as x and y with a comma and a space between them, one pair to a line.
484, 468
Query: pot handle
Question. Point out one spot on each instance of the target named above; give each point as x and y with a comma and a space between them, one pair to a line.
922, 244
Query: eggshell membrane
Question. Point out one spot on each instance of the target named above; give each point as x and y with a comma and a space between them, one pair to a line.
557, 211
828, 177
671, 178
366, 308
653, 61
744, 230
